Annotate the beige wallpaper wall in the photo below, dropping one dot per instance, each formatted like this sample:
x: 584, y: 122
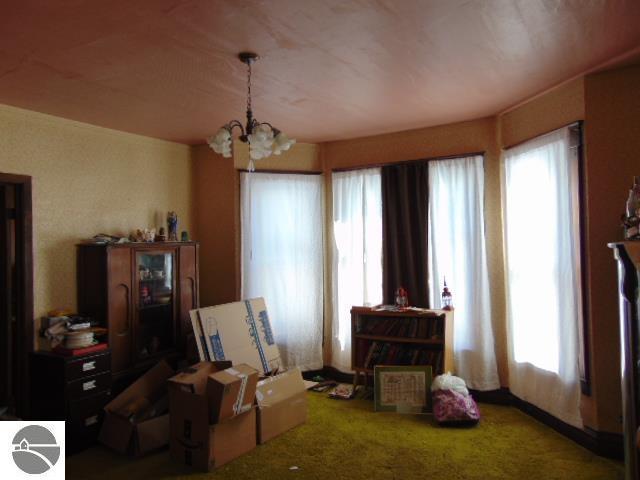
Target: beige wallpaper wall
x: 88, y: 180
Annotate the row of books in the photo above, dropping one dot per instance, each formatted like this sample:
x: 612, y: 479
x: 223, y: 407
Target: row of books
x: 383, y: 353
x: 430, y: 327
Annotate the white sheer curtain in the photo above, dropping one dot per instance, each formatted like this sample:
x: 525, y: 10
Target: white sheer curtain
x: 457, y: 251
x: 357, y: 253
x: 282, y: 259
x: 543, y: 272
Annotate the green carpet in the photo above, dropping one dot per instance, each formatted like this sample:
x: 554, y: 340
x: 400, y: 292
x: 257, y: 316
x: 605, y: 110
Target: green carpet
x: 346, y: 439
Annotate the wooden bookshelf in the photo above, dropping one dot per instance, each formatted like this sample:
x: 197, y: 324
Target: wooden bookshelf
x: 410, y: 337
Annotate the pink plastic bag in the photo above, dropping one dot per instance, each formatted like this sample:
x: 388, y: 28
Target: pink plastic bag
x: 452, y: 407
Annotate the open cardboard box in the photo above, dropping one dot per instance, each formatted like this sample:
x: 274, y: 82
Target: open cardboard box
x: 194, y: 441
x: 121, y: 431
x: 282, y: 404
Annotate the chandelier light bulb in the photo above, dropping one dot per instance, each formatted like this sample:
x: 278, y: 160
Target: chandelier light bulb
x: 282, y: 143
x: 263, y: 139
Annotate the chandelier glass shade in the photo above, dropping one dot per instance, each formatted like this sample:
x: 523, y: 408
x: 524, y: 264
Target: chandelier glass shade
x: 263, y: 138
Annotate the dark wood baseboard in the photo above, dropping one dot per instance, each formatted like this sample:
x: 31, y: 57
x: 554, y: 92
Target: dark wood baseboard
x: 605, y: 444
x: 502, y: 396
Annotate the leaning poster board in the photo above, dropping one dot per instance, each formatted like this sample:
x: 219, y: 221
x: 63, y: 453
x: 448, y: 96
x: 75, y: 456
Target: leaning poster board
x: 403, y: 389
x: 240, y: 332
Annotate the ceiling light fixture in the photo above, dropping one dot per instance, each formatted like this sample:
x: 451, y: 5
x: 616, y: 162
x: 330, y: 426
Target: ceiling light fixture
x: 262, y: 137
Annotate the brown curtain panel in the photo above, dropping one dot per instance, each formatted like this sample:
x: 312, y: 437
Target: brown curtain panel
x: 405, y: 197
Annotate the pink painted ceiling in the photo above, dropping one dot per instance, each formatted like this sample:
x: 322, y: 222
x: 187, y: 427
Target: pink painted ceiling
x: 330, y: 69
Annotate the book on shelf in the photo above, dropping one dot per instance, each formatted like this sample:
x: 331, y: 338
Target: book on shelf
x: 372, y: 349
x: 384, y: 351
x: 362, y: 351
x: 423, y: 328
x: 391, y: 353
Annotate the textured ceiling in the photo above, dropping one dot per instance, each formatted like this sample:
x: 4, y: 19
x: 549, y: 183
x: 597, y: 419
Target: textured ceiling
x: 330, y: 69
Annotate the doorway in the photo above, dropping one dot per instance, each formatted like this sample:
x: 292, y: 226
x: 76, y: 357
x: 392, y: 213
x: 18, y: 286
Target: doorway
x: 16, y: 293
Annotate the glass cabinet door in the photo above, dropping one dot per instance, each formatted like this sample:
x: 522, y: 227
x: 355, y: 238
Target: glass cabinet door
x: 155, y: 331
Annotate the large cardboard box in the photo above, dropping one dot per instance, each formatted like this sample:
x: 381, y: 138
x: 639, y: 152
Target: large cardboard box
x: 231, y: 391
x: 241, y: 332
x: 193, y: 441
x: 131, y: 425
x: 209, y: 446
x: 282, y: 404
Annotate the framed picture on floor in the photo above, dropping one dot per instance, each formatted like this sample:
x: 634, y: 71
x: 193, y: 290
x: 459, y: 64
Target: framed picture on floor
x: 402, y: 389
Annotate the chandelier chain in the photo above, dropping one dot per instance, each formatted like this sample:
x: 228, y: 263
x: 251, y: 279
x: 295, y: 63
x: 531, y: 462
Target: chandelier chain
x: 249, y: 86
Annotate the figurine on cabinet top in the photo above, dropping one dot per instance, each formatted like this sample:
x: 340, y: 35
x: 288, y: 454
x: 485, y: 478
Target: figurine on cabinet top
x: 161, y: 236
x: 172, y: 224
x: 145, y: 235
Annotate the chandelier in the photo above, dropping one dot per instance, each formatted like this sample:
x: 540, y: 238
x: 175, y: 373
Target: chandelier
x: 262, y: 137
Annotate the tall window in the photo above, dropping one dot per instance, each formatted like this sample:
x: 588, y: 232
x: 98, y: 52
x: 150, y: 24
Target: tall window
x: 457, y: 252
x: 357, y: 253
x: 282, y: 259
x: 541, y: 214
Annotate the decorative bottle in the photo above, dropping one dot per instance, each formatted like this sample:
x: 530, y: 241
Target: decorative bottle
x: 402, y: 298
x: 447, y: 298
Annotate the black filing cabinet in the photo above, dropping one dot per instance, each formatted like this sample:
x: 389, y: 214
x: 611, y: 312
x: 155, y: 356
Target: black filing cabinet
x: 74, y: 389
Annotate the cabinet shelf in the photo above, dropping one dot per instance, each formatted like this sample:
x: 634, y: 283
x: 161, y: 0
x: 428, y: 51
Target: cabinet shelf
x: 386, y: 338
x: 155, y: 305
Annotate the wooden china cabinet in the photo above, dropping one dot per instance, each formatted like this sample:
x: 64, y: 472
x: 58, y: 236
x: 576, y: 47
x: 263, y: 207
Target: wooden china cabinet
x: 142, y: 292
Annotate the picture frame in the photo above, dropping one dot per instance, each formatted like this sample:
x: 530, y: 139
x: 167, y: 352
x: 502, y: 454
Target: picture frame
x: 403, y: 389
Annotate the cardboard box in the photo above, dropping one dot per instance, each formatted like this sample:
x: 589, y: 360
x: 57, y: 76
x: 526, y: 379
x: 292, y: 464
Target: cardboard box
x: 188, y: 391
x: 282, y: 404
x: 131, y: 425
x: 241, y: 332
x: 207, y: 447
x: 193, y: 441
x: 231, y: 391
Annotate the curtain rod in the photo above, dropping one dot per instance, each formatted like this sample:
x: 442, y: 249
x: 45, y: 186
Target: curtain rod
x: 577, y: 123
x: 403, y: 162
x: 297, y: 172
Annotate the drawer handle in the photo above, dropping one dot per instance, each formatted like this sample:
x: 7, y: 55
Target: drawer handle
x: 88, y: 385
x: 91, y: 421
x: 89, y: 366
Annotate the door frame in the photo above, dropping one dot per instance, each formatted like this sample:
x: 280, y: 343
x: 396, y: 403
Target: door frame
x: 24, y: 281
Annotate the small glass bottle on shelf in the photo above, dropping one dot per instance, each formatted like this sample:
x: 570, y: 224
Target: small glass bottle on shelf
x: 447, y: 298
x: 402, y: 298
